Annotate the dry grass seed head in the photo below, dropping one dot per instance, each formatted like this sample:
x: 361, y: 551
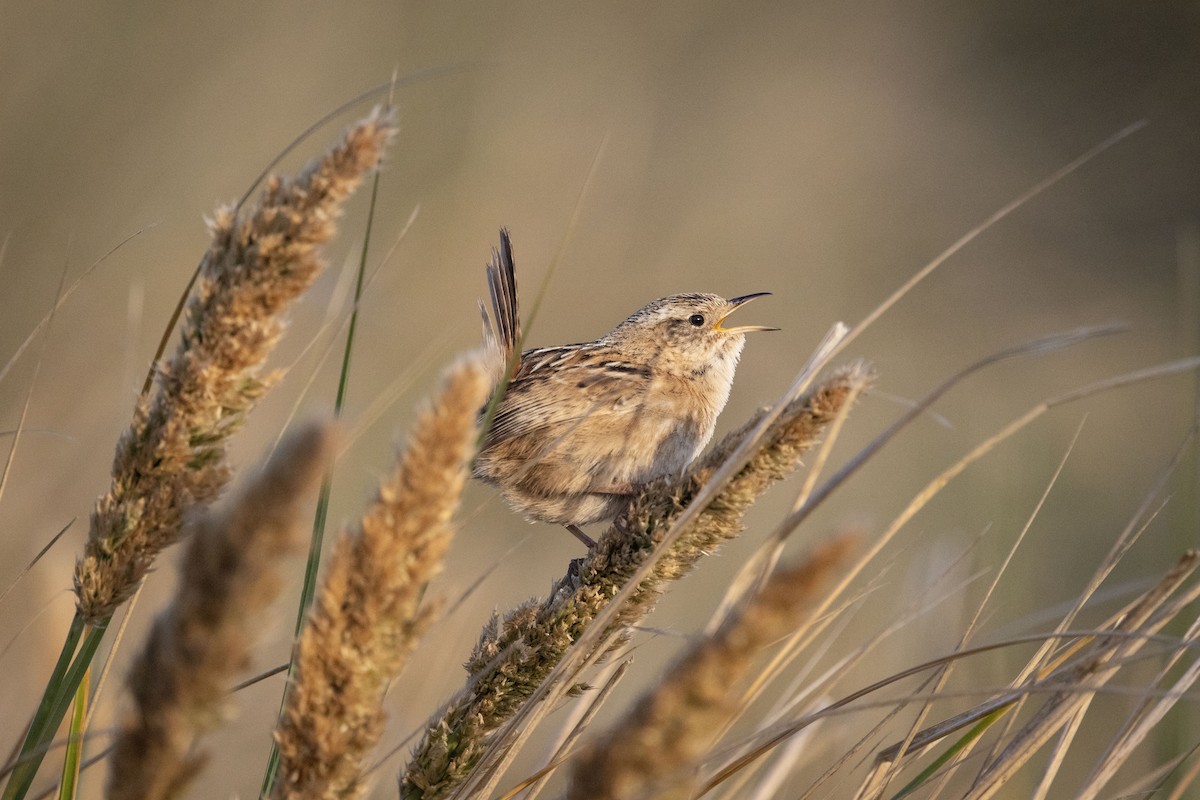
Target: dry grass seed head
x: 368, y: 615
x: 173, y: 453
x: 198, y: 645
x: 658, y: 746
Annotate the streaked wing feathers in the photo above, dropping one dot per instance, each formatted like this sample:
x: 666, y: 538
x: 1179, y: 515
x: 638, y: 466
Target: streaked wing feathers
x: 562, y: 385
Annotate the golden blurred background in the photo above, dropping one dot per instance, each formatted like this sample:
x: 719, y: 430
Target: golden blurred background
x: 821, y: 151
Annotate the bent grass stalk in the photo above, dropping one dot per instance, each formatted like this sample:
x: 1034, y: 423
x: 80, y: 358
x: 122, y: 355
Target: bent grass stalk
x: 889, y: 761
x: 1120, y: 547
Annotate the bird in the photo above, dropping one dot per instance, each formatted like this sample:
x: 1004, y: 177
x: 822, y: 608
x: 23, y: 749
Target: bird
x: 573, y: 431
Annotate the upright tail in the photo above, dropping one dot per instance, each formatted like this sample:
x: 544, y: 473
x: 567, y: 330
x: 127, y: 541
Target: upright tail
x: 502, y: 330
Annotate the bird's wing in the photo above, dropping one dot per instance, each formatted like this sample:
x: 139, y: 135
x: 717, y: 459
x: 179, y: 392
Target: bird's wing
x: 559, y: 387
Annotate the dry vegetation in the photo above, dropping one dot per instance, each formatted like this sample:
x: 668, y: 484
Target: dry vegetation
x: 733, y: 718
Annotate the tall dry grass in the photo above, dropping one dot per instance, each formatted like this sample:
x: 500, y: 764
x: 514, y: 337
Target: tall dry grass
x: 735, y: 717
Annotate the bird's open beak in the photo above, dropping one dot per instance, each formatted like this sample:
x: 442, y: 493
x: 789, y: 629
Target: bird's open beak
x: 736, y: 303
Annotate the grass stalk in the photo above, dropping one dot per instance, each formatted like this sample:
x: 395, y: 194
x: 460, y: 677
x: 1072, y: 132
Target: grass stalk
x: 68, y: 786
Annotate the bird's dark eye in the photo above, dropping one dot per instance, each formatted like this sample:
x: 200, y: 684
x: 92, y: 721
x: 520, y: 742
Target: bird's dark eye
x: 696, y: 319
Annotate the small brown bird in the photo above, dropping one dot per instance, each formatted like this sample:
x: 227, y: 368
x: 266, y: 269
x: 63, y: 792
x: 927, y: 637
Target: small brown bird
x: 581, y: 426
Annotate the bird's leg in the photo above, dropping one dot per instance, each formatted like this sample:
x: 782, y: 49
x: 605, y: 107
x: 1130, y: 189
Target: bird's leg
x: 588, y: 541
x: 615, y: 489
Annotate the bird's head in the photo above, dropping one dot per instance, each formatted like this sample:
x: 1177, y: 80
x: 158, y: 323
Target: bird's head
x: 685, y: 332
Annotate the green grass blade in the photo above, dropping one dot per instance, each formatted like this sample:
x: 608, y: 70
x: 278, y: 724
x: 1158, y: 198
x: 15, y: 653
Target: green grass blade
x: 60, y: 691
x: 967, y: 738
x: 36, y: 738
x: 69, y: 785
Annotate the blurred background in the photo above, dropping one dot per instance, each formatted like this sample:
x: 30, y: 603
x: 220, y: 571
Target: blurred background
x: 821, y: 151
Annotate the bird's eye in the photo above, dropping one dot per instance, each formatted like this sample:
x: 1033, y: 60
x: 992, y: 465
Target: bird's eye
x: 696, y: 319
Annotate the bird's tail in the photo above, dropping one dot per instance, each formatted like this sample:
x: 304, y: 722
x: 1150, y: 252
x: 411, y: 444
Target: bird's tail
x: 502, y: 329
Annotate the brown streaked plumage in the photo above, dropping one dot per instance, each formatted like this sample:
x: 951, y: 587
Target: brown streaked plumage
x: 581, y: 426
